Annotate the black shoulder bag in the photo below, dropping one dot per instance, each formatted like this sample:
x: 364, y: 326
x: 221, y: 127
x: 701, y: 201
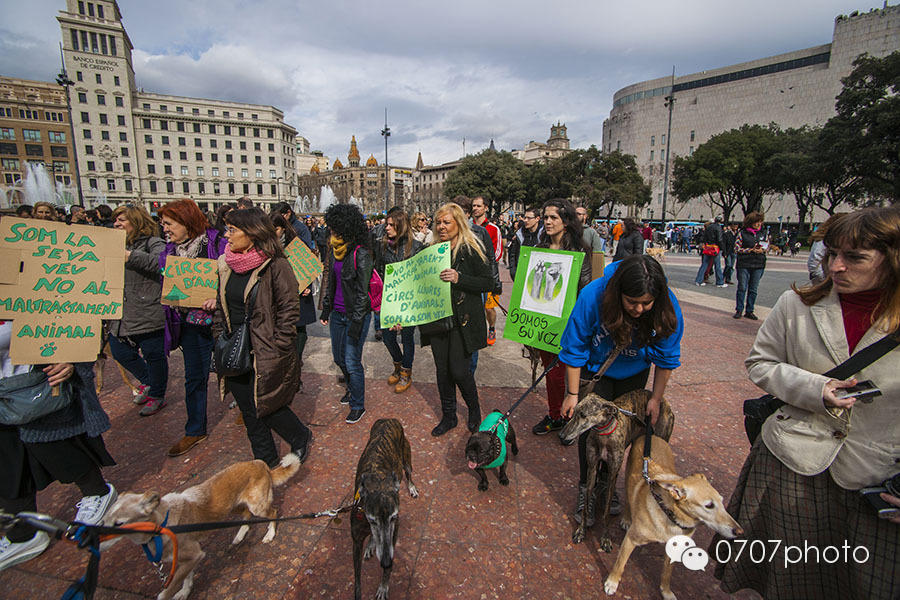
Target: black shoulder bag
x: 757, y: 410
x: 231, y: 353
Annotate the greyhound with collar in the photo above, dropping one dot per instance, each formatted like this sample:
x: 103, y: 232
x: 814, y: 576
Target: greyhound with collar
x: 613, y: 426
x: 376, y: 505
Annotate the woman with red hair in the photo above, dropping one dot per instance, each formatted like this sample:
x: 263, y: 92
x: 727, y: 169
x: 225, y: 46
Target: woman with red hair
x: 188, y: 235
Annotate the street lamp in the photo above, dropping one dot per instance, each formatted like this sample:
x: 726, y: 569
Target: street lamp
x: 63, y: 80
x: 386, y: 132
x: 278, y: 187
x: 670, y: 103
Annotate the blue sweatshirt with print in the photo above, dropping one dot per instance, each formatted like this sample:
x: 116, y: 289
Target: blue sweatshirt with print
x: 586, y: 342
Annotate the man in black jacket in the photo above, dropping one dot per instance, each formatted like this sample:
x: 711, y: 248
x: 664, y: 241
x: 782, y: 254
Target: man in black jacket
x: 712, y: 236
x: 528, y: 235
x: 728, y: 237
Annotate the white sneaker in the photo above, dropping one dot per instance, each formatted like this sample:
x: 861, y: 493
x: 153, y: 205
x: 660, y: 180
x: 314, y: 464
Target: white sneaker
x: 92, y: 509
x: 724, y: 285
x: 14, y: 553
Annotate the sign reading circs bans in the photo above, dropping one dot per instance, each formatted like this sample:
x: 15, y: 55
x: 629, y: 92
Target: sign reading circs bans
x: 57, y: 282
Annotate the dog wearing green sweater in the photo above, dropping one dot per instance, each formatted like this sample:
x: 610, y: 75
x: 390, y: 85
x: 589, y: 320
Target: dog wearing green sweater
x: 487, y: 448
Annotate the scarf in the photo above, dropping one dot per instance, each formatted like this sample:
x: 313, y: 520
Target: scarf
x: 190, y: 248
x: 857, y: 310
x: 339, y: 247
x: 245, y: 261
x: 753, y: 231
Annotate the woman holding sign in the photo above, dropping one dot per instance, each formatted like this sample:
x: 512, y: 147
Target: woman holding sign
x: 398, y: 244
x: 347, y: 309
x: 189, y: 236
x: 562, y: 231
x: 630, y: 307
x: 137, y: 341
x: 256, y: 279
x: 466, y: 331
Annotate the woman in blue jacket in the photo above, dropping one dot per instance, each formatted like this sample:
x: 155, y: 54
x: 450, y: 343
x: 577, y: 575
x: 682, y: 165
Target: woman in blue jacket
x: 630, y: 306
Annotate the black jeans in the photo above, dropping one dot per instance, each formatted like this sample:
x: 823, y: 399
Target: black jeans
x: 259, y: 429
x: 609, y: 389
x: 452, y: 366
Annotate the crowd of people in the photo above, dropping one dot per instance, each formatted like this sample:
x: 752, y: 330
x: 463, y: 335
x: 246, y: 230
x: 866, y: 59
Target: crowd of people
x: 798, y: 467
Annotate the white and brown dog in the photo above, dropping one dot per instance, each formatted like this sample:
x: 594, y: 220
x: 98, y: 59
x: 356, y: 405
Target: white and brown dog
x: 244, y: 488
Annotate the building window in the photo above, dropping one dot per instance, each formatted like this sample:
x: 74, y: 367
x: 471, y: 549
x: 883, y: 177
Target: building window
x: 164, y: 140
x: 151, y: 169
x: 164, y: 125
x: 652, y: 140
x: 229, y: 172
x: 109, y: 167
x: 152, y: 185
x: 214, y: 157
x: 120, y: 120
x: 195, y: 111
x: 663, y: 139
x: 243, y: 158
x: 31, y: 135
x: 186, y: 187
x: 104, y: 135
x: 692, y: 135
x: 211, y: 113
x: 149, y: 153
x: 86, y: 134
x: 198, y: 143
x: 271, y: 160
x: 100, y: 10
x: 662, y: 155
x: 92, y: 183
x: 88, y: 149
x: 182, y: 155
x: 241, y: 130
x: 212, y: 129
x: 229, y: 158
x: 198, y: 156
x: 7, y: 148
x: 179, y: 125
x: 259, y: 173
x: 215, y: 171
x: 245, y: 173
x: 691, y: 151
x: 651, y: 170
x: 103, y: 119
x: 99, y: 78
x: 274, y: 191
x: 59, y: 151
x: 199, y: 171
x: 167, y: 155
x: 148, y: 139
x: 111, y: 185
x: 101, y: 99
x: 213, y: 144
x: 272, y: 173
x: 123, y: 137
x: 145, y: 123
x: 216, y: 189
x: 56, y: 137
x: 127, y: 185
x: 651, y: 155
x: 78, y: 74
x: 256, y: 146
x: 126, y: 167
x: 115, y: 78
x: 201, y: 187
x: 259, y: 189
x: 231, y: 188
x: 257, y: 160
x: 119, y: 101
x: 242, y: 145
x: 196, y: 127
x: 82, y: 98
x: 80, y: 7
x: 184, y: 170
x: 618, y: 145
x: 227, y: 131
x: 11, y: 164
x: 85, y: 118
x: 7, y: 133
x: 170, y: 187
x: 90, y: 165
x: 246, y: 186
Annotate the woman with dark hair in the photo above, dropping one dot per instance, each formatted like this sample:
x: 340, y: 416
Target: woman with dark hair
x: 254, y: 275
x: 137, y: 340
x: 347, y: 309
x: 800, y: 483
x: 750, y: 248
x: 223, y: 210
x: 398, y: 244
x: 189, y: 236
x: 562, y: 231
x: 631, y: 307
x: 631, y: 242
x: 286, y: 235
x: 470, y: 277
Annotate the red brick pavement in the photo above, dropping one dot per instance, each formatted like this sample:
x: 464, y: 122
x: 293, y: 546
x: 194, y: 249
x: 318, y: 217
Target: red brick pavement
x: 455, y: 542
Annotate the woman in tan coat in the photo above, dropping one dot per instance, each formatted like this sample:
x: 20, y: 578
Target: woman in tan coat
x: 254, y: 257
x: 799, y: 485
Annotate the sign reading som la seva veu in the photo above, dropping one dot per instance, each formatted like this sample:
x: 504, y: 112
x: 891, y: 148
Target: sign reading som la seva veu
x: 57, y: 282
x: 413, y: 291
x: 543, y: 297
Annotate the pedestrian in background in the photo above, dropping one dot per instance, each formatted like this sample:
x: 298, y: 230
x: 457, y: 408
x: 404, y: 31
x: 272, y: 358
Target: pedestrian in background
x: 711, y: 244
x: 631, y: 241
x: 422, y: 233
x: 750, y: 247
x: 729, y: 236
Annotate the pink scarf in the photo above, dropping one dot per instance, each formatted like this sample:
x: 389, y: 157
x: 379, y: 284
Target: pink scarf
x: 244, y: 262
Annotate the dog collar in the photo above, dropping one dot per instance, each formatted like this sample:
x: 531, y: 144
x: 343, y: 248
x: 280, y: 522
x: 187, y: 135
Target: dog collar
x: 156, y: 555
x: 606, y: 428
x: 666, y: 510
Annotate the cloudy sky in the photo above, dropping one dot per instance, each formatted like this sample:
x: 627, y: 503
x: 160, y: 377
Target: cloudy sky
x: 445, y: 71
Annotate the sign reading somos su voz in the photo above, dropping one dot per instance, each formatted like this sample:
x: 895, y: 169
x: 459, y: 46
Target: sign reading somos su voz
x: 57, y: 282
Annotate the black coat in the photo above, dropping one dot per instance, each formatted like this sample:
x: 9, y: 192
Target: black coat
x: 355, y: 275
x: 386, y: 254
x: 468, y: 308
x: 633, y: 243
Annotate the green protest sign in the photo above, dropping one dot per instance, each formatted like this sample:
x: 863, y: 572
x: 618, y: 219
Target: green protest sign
x: 413, y: 291
x: 543, y: 296
x: 304, y: 263
x: 189, y: 281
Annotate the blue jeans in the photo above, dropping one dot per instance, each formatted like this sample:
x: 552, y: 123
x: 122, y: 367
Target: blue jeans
x: 407, y: 337
x: 144, y: 356
x: 704, y: 264
x: 729, y: 265
x: 748, y: 282
x: 347, y: 355
x: 196, y: 346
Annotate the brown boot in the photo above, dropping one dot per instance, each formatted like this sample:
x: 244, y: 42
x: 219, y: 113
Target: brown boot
x: 185, y: 444
x: 404, y: 382
x: 395, y: 376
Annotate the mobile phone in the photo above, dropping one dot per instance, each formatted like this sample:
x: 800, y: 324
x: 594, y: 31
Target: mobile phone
x: 864, y: 391
x: 882, y: 508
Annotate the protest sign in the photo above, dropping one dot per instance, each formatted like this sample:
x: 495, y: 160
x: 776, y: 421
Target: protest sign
x: 413, y: 291
x: 57, y: 282
x: 543, y: 296
x: 304, y: 263
x: 189, y: 282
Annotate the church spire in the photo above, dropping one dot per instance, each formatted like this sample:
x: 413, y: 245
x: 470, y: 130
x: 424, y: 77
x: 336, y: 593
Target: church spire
x: 353, y: 155
x: 419, y: 163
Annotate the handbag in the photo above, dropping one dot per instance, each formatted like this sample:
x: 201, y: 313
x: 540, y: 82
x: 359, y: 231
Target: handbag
x: 439, y: 327
x: 232, y: 351
x: 28, y: 396
x: 757, y: 410
x: 710, y: 249
x: 198, y: 316
x: 376, y: 286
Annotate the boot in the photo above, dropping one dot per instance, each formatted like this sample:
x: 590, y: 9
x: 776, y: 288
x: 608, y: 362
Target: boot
x: 395, y: 376
x: 448, y: 416
x: 474, y: 415
x: 579, y: 504
x: 404, y: 382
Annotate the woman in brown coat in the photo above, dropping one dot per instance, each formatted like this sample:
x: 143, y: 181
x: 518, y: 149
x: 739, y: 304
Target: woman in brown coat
x: 254, y: 258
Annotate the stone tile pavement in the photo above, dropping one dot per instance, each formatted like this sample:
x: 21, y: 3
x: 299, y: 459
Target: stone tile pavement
x: 455, y: 542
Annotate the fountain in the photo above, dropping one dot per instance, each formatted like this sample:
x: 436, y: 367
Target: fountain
x: 326, y: 198
x: 37, y: 186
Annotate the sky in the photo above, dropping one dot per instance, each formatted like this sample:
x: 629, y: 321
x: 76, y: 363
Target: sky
x: 445, y: 71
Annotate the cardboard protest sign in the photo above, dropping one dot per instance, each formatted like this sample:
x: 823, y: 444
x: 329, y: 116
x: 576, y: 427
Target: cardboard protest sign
x: 189, y: 282
x: 304, y: 263
x: 543, y: 296
x: 56, y: 284
x: 413, y: 291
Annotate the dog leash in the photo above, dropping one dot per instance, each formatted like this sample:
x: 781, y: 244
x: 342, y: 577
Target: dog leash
x: 645, y: 472
x: 515, y: 405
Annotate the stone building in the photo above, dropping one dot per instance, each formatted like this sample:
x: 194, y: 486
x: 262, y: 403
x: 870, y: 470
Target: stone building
x: 427, y: 192
x: 155, y: 147
x: 360, y: 184
x: 793, y: 89
x: 34, y: 128
x: 557, y: 145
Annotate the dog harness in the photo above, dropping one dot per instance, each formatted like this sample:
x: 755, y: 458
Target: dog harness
x: 498, y: 427
x: 606, y: 428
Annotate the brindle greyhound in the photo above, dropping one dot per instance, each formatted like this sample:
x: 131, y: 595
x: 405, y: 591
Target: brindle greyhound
x: 376, y: 505
x: 612, y: 429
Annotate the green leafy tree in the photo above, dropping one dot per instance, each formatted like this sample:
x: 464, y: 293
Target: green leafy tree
x: 837, y: 184
x: 868, y: 111
x: 793, y: 168
x: 498, y: 177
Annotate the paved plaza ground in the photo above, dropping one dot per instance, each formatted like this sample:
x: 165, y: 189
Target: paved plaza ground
x: 455, y: 542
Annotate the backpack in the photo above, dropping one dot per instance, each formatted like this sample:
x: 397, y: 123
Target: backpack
x: 376, y: 286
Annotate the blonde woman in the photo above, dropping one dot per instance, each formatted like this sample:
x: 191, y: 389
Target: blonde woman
x: 422, y: 233
x: 137, y: 340
x: 469, y: 277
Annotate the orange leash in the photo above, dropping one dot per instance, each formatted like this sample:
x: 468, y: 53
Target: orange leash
x: 148, y: 527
